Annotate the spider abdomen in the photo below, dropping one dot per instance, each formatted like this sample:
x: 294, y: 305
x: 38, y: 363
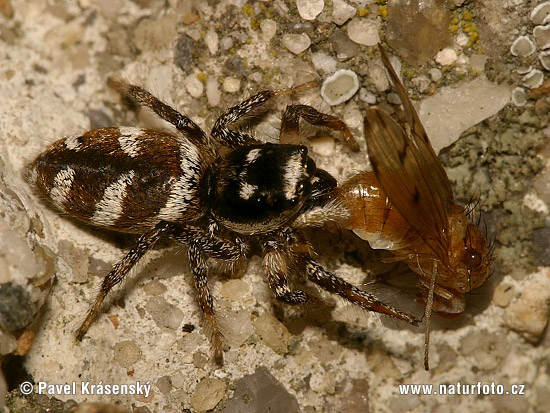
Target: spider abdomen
x: 126, y: 179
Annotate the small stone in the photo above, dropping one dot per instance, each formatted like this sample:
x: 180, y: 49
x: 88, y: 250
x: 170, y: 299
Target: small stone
x: 435, y: 74
x: 193, y: 85
x: 533, y: 79
x: 310, y: 9
x: 238, y: 328
x: 366, y: 96
x: 342, y: 12
x: 213, y: 93
x: 296, y: 43
x: 540, y: 13
x: 16, y: 307
x: 364, y: 31
x: 529, y: 313
x: 446, y: 57
x: 523, y: 46
x: 488, y: 349
x: 155, y: 34
x: 340, y: 87
x: 127, y: 353
x: 379, y: 77
x: 208, y: 394
x: 212, y: 41
x: 261, y: 392
x: 519, y: 97
x: 8, y: 343
x: 462, y: 39
x: 478, y: 61
x: 323, y: 146
x: 421, y: 83
x: 164, y: 385
x: 268, y: 28
x: 343, y: 47
x: 503, y: 294
x: 227, y: 42
x: 417, y: 30
x: 164, y: 314
x: 542, y: 36
x: 324, y: 62
x: 231, y: 84
x: 394, y: 99
x: 235, y: 290
x: 154, y: 287
x: 544, y: 58
x: 272, y: 333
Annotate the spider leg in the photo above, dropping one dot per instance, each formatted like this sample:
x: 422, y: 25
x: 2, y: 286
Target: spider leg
x: 275, y: 266
x: 290, y: 125
x: 206, y: 301
x: 181, y: 122
x: 121, y: 269
x: 336, y: 285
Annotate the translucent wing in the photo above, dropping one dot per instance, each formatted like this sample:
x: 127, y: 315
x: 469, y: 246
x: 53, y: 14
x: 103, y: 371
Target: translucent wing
x: 408, y: 170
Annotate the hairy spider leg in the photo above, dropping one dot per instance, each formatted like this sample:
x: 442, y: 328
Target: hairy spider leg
x: 290, y: 124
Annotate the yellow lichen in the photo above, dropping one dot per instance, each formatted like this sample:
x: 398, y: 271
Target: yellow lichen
x: 248, y: 10
x: 203, y: 77
x: 362, y: 12
x: 383, y: 11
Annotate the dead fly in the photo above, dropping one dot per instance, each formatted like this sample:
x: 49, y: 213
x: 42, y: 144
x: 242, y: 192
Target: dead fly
x: 406, y: 206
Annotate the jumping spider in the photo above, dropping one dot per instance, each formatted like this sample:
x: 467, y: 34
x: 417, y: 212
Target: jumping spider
x: 217, y: 194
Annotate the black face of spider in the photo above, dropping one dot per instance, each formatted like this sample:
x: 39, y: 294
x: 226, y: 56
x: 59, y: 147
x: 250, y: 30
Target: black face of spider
x: 259, y: 187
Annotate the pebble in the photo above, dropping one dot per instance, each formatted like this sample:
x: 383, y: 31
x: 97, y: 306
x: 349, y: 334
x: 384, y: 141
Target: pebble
x: 227, y: 42
x: 364, y: 31
x: 261, y: 392
x: 323, y: 62
x: 193, y: 85
x: 540, y: 13
x: 342, y: 12
x: 310, y: 9
x: 235, y: 290
x: 212, y: 41
x: 154, y: 287
x: 213, y: 93
x: 155, y: 34
x: 340, y: 87
x: 519, y: 97
x: 366, y: 96
x: 533, y: 79
x: 529, y: 313
x: 393, y: 98
x: 478, y: 61
x: 16, y: 307
x: 296, y: 43
x: 503, y: 294
x: 272, y: 333
x: 542, y: 36
x: 343, y: 47
x: 238, y: 328
x: 421, y: 83
x: 164, y: 385
x: 127, y: 353
x: 435, y: 74
x: 446, y: 57
x: 522, y: 46
x: 488, y: 349
x: 268, y: 28
x: 164, y: 314
x: 323, y: 146
x: 379, y: 78
x: 208, y: 394
x: 231, y: 84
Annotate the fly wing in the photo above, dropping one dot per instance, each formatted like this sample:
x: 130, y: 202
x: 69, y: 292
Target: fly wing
x: 408, y: 170
x: 418, y: 137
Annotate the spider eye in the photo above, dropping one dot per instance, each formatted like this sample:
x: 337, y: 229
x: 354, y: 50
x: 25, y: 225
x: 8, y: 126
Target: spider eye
x: 472, y: 258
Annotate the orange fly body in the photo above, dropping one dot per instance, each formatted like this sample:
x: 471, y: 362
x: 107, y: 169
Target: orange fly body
x: 406, y: 205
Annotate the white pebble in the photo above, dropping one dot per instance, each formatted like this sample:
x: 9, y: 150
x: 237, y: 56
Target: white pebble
x: 542, y: 36
x: 540, y: 13
x: 421, y: 82
x: 435, y: 74
x: 193, y: 85
x: 522, y: 46
x: 366, y: 96
x: 268, y: 28
x: 342, y: 12
x: 212, y: 41
x: 446, y: 57
x: 231, y: 84
x: 296, y: 43
x: 533, y: 79
x: 393, y: 98
x: 519, y: 97
x: 462, y: 39
x: 379, y: 78
x: 340, y: 87
x: 213, y: 93
x: 364, y: 31
x: 310, y: 9
x: 323, y: 146
x: 227, y: 42
x: 324, y: 62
